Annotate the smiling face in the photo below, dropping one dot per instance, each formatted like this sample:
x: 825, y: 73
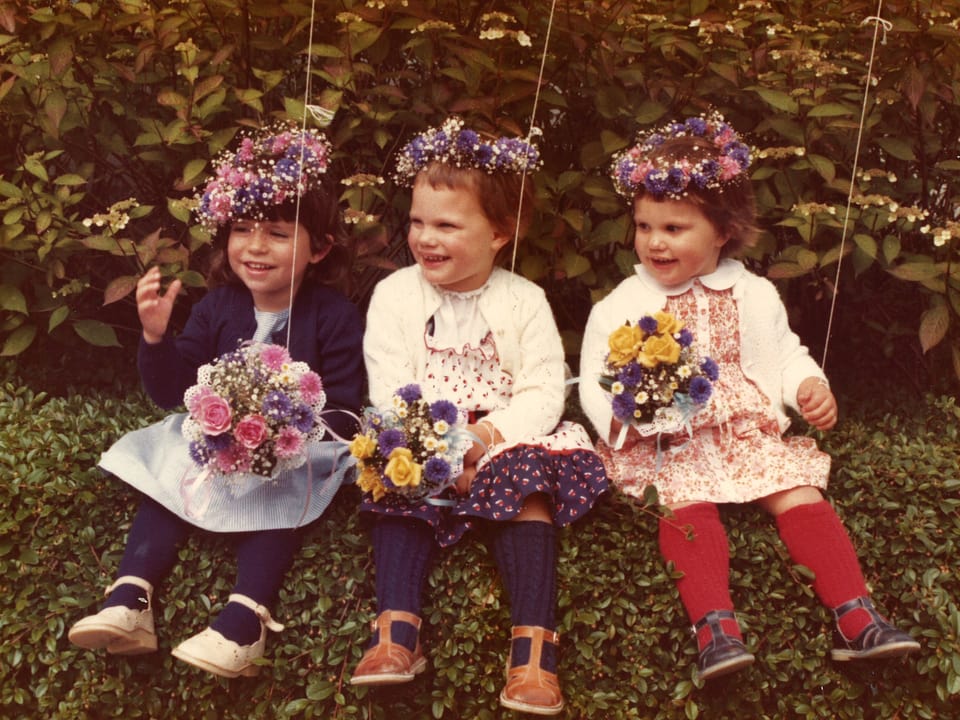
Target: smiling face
x: 674, y: 240
x: 262, y: 256
x: 451, y: 237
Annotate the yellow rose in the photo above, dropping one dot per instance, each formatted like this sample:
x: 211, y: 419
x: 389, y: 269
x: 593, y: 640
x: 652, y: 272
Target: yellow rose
x: 369, y: 481
x: 401, y: 468
x: 624, y: 344
x: 667, y: 323
x: 362, y: 446
x: 659, y: 349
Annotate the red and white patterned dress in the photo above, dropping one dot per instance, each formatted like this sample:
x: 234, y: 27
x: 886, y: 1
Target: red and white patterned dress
x: 736, y: 453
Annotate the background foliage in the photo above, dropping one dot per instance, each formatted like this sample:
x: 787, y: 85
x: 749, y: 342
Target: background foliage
x: 627, y: 652
x: 112, y: 111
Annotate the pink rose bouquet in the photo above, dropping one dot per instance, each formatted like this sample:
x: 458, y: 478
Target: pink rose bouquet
x: 253, y: 410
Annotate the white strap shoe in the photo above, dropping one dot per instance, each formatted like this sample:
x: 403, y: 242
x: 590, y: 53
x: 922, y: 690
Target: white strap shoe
x: 211, y: 651
x: 121, y: 630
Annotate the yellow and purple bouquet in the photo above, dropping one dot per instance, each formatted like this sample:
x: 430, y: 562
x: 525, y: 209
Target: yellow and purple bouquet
x: 253, y: 410
x: 411, y: 451
x: 655, y: 377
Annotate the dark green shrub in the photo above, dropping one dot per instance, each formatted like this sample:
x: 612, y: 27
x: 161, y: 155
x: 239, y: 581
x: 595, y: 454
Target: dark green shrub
x: 626, y: 649
x: 107, y: 102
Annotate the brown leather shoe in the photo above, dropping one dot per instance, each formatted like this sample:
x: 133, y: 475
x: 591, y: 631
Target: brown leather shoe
x: 530, y: 688
x: 387, y: 663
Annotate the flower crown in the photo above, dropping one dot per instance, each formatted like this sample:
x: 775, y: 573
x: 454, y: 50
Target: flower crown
x: 270, y: 167
x: 453, y: 145
x: 634, y: 169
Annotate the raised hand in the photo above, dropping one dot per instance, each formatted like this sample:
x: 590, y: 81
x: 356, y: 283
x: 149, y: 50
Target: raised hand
x: 153, y: 307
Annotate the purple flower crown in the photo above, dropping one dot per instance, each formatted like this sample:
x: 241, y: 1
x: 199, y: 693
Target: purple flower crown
x: 633, y: 168
x: 451, y: 144
x: 270, y: 167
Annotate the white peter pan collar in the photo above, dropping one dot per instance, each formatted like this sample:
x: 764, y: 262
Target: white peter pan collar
x: 723, y: 278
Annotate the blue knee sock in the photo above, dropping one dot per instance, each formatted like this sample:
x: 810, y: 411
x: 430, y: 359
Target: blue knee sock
x: 403, y: 551
x: 152, y: 543
x: 526, y: 554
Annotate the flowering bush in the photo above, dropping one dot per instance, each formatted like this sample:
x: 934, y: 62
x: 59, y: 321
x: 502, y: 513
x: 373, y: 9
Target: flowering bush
x: 253, y: 410
x: 654, y: 376
x: 411, y: 451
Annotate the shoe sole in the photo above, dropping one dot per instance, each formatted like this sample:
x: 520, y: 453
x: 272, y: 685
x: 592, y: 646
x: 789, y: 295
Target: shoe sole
x: 890, y: 650
x: 115, y: 640
x: 727, y: 667
x: 246, y: 671
x: 391, y: 678
x: 527, y: 708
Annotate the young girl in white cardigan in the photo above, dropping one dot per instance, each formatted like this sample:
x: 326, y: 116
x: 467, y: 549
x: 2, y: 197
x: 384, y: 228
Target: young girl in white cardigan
x: 484, y: 339
x: 693, y: 210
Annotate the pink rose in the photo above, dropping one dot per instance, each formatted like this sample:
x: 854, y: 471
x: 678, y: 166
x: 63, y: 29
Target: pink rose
x: 251, y: 431
x: 193, y: 397
x: 213, y: 414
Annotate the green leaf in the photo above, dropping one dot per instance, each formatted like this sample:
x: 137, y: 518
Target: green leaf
x: 776, y: 99
x: 19, y: 340
x: 900, y: 149
x: 96, y: 333
x: 12, y: 299
x: 57, y: 317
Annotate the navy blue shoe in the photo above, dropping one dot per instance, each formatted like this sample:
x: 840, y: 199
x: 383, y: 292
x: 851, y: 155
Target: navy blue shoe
x: 724, y: 654
x: 877, y: 640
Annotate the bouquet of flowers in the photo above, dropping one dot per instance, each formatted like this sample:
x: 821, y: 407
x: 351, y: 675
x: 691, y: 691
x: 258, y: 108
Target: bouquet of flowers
x: 253, y: 410
x: 652, y: 371
x: 411, y: 451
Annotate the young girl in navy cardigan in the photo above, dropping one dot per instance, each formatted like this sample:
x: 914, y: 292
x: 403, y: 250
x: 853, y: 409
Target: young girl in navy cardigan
x: 276, y: 222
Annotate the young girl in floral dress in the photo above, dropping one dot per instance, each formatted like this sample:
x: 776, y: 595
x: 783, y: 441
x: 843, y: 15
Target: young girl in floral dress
x: 275, y: 220
x: 693, y: 209
x: 471, y: 333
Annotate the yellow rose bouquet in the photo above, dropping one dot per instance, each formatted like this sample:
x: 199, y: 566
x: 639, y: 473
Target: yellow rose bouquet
x: 655, y: 378
x: 412, y: 451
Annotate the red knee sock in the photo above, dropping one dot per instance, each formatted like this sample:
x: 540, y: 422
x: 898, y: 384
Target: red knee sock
x: 817, y: 539
x: 696, y: 542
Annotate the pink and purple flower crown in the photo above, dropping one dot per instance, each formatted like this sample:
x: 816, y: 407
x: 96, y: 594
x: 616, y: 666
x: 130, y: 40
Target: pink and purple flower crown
x: 450, y: 143
x: 270, y: 167
x: 723, y: 161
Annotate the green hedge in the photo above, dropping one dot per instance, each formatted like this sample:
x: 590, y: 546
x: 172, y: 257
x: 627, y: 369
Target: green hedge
x: 112, y: 112
x: 626, y: 649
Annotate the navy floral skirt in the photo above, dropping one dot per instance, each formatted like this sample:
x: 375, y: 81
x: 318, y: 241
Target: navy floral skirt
x: 573, y: 480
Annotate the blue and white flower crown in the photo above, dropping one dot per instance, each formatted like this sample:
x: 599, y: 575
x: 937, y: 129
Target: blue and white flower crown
x: 726, y: 159
x: 270, y: 167
x: 451, y: 144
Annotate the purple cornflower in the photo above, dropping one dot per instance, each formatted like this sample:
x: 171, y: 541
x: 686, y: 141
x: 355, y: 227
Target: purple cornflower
x: 624, y: 406
x: 409, y: 393
x: 444, y: 410
x: 649, y: 324
x: 436, y: 470
x: 630, y: 374
x: 710, y: 369
x: 390, y: 440
x: 277, y: 405
x: 700, y: 389
x: 685, y: 338
x: 301, y: 417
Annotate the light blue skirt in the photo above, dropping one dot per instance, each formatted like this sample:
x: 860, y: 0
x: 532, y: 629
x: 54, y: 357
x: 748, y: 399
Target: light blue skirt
x: 156, y: 461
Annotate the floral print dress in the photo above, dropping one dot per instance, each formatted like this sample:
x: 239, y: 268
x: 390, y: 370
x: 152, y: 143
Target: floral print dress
x: 736, y: 453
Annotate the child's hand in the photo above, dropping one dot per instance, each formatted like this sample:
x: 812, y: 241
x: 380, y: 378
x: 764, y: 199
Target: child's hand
x: 487, y: 435
x: 817, y: 404
x: 155, y: 309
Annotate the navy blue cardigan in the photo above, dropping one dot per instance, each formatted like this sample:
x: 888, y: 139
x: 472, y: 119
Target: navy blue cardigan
x: 326, y: 333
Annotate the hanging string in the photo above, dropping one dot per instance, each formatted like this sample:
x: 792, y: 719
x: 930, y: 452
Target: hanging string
x: 530, y: 132
x: 300, y: 182
x: 885, y: 25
